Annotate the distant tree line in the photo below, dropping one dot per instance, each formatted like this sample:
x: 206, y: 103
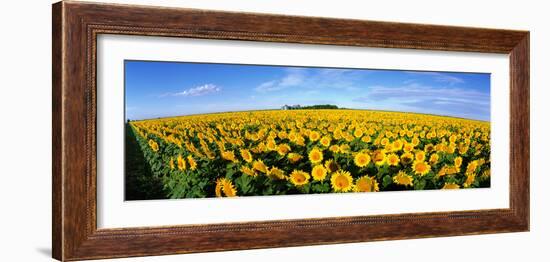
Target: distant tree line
x: 327, y: 106
x: 296, y: 107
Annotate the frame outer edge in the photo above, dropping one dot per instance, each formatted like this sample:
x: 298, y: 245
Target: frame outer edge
x: 72, y: 240
x: 520, y: 108
x: 57, y: 122
x: 527, y: 184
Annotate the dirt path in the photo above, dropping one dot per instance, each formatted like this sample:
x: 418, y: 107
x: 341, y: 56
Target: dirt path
x: 140, y: 184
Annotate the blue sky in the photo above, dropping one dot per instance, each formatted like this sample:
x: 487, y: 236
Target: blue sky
x: 159, y: 89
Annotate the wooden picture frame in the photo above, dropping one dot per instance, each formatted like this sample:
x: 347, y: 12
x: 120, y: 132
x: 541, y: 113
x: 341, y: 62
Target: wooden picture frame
x: 76, y: 26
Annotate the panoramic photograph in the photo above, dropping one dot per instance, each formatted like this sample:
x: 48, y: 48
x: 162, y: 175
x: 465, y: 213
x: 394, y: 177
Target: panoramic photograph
x: 201, y: 130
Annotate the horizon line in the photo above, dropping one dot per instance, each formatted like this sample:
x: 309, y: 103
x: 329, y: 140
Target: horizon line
x: 339, y: 108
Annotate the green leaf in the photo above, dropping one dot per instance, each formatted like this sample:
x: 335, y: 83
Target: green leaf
x: 326, y: 187
x: 229, y: 173
x: 318, y: 188
x: 244, y: 183
x: 386, y: 181
x: 268, y: 191
x: 420, y: 184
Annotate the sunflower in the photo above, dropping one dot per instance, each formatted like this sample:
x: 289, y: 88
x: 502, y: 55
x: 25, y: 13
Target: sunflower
x: 226, y: 187
x: 254, y: 137
x: 315, y: 156
x: 272, y: 134
x: 192, y: 163
x: 294, y: 157
x: 245, y: 154
x: 430, y: 135
x: 434, y: 158
x: 259, y: 165
x: 403, y: 179
x: 283, y: 149
x: 171, y: 163
x: 429, y: 148
x: 472, y: 166
x: 229, y: 156
x: 415, y: 141
x: 361, y: 159
x: 408, y: 147
x: 348, y: 137
x: 248, y: 171
x: 300, y: 140
x: 282, y: 134
x: 407, y: 158
x: 337, y: 134
x: 396, y: 145
x: 219, y: 187
x: 325, y: 141
x: 341, y: 181
x: 393, y: 159
x: 366, y: 139
x: 486, y: 174
x: 271, y: 145
x: 463, y: 149
x: 334, y: 148
x: 154, y: 146
x: 358, y: 133
x: 384, y: 141
x: 366, y: 184
x: 450, y: 186
x: 331, y: 166
x: 344, y: 149
x: 451, y: 170
x: 314, y: 135
x: 451, y: 148
x: 318, y: 173
x: 229, y: 189
x: 452, y: 138
x: 421, y: 168
x: 458, y: 162
x: 292, y: 136
x: 379, y: 157
x: 299, y: 178
x: 442, y: 172
x: 480, y: 162
x: 181, y: 163
x: 420, y: 156
x: 276, y: 173
x: 441, y: 148
x: 470, y: 178
x: 210, y: 154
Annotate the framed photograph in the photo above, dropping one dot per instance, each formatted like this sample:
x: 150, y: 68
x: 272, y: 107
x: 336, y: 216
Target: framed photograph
x: 182, y: 130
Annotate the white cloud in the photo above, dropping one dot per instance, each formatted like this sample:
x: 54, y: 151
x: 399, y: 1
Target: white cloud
x: 449, y: 79
x: 453, y: 101
x: 197, y: 91
x: 294, y: 77
x: 313, y: 78
x: 441, y: 77
x: 268, y: 86
x: 416, y: 90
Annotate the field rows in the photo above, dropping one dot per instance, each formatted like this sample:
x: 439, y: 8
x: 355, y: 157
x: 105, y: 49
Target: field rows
x: 313, y: 151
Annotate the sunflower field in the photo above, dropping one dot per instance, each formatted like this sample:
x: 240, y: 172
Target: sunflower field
x: 279, y: 152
